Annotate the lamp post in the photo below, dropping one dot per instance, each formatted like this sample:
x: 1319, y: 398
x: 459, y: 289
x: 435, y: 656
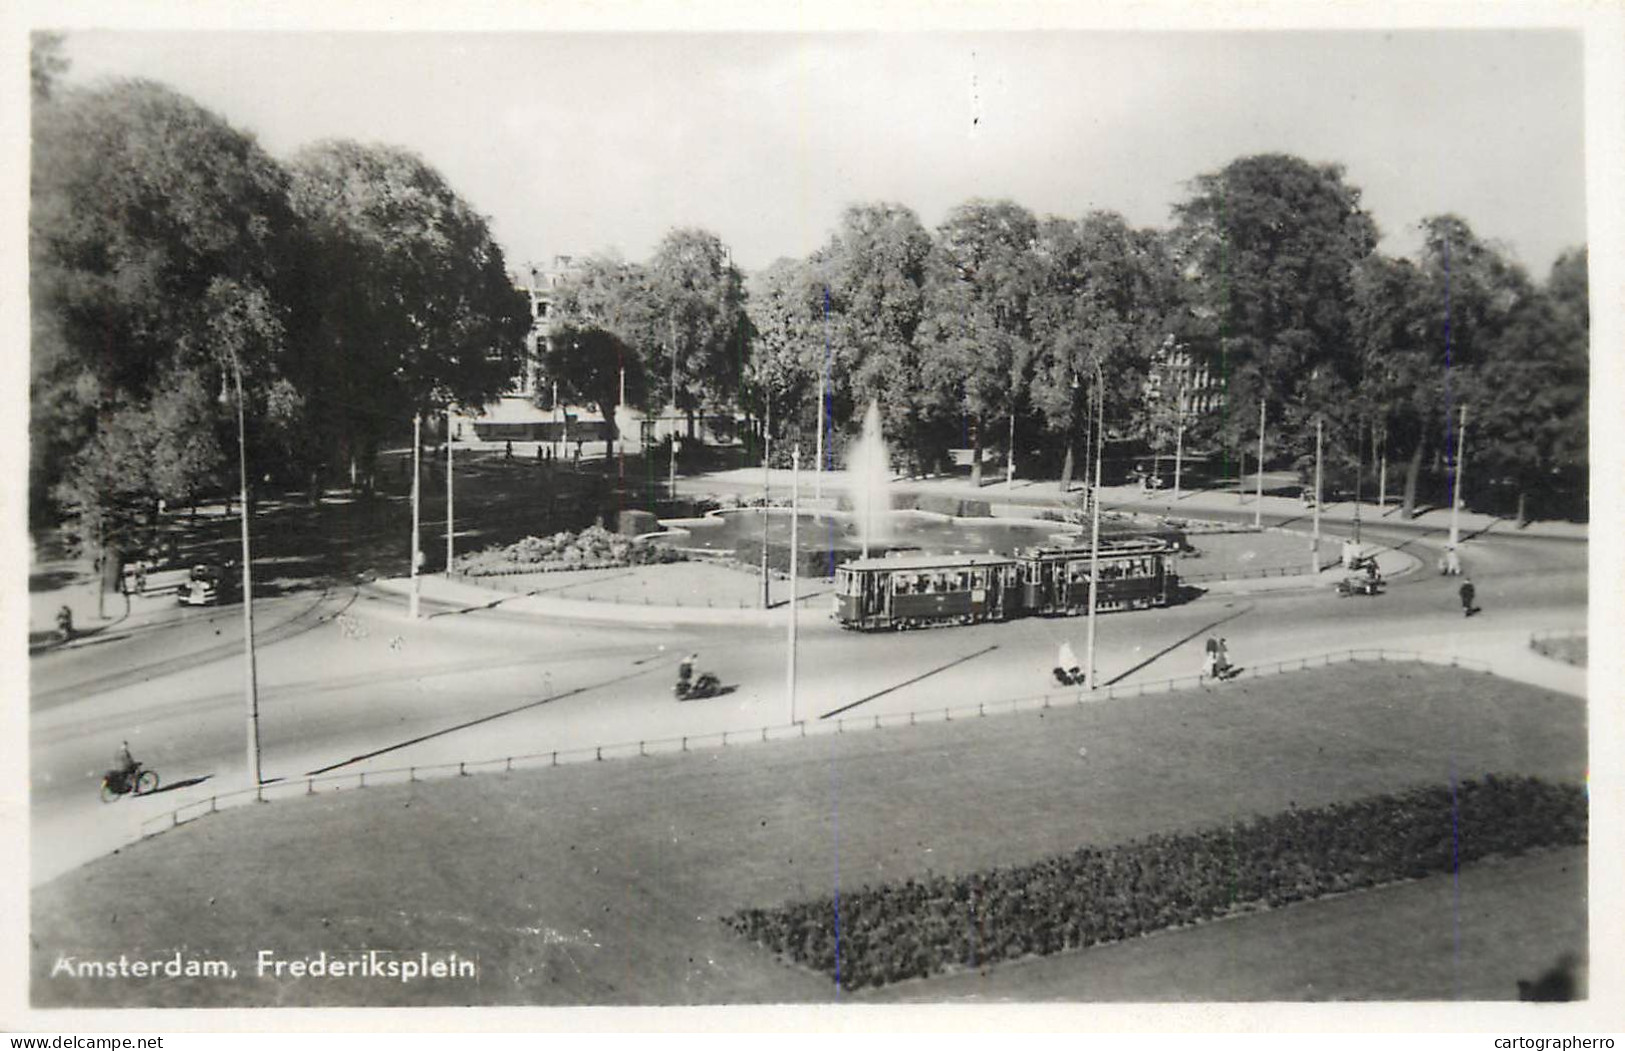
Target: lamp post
x: 1455, y: 494
x: 1382, y: 470
x: 1010, y: 454
x: 1359, y: 471
x: 767, y: 483
x: 417, y: 479
x: 795, y: 507
x: 1258, y: 498
x: 1094, y: 527
x: 451, y: 548
x: 1314, y: 555
x: 1179, y: 440
x: 250, y: 677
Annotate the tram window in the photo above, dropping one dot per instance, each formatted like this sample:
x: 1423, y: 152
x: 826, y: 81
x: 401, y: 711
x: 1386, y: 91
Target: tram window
x: 899, y: 585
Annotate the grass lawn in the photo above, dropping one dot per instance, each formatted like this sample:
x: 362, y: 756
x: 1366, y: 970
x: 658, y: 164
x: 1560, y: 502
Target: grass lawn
x: 605, y: 883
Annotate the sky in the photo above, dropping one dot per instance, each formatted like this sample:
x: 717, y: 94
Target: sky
x: 575, y: 143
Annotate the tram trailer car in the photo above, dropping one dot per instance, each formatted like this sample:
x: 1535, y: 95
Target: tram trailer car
x: 915, y: 591
x: 1135, y: 573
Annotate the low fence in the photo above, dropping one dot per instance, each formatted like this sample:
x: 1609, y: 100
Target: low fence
x: 1248, y: 574
x: 811, y: 726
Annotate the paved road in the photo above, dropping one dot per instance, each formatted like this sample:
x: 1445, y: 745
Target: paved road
x: 348, y: 683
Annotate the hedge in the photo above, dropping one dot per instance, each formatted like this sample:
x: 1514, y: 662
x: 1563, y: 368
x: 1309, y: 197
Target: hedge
x: 916, y: 928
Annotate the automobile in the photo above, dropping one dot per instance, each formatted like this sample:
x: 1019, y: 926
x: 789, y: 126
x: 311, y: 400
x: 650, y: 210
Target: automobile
x: 205, y: 586
x: 146, y: 577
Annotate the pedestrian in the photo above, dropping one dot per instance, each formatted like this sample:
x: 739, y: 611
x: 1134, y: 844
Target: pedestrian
x: 1452, y: 561
x: 1210, y: 660
x: 507, y: 450
x: 1467, y: 591
x: 1222, y: 665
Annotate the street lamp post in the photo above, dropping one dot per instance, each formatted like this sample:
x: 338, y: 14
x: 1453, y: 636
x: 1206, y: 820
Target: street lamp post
x: 250, y: 676
x: 795, y: 507
x: 1179, y: 442
x: 1455, y: 494
x: 767, y: 483
x: 1010, y: 455
x: 451, y: 548
x: 1382, y: 471
x: 417, y: 477
x: 671, y: 466
x: 1314, y: 554
x: 1258, y: 497
x: 1359, y: 471
x: 1094, y: 527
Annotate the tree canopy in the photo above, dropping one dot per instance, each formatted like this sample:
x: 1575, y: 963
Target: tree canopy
x: 161, y: 249
x: 409, y: 304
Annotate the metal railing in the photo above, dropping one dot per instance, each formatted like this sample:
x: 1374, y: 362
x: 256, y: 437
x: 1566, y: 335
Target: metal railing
x: 852, y: 723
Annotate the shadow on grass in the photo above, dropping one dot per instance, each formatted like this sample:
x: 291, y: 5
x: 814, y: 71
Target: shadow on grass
x: 52, y: 579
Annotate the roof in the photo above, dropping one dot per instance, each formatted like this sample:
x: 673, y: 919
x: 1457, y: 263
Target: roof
x: 1128, y: 546
x: 919, y: 562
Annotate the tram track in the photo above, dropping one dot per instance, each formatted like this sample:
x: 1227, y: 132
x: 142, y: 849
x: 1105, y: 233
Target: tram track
x: 302, y: 620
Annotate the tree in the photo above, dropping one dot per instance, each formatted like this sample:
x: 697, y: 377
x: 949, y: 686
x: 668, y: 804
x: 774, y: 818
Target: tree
x: 693, y: 285
x: 410, y: 303
x: 158, y: 234
x: 1269, y: 245
x: 874, y: 268
x: 785, y: 307
x: 590, y: 365
x: 1531, y: 416
x: 1106, y: 295
x: 976, y: 349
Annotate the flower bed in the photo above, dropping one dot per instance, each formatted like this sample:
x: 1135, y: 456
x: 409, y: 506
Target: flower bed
x: 917, y: 928
x: 592, y: 548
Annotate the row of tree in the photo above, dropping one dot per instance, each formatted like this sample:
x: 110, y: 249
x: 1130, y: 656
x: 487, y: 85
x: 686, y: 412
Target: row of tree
x: 1269, y: 278
x: 170, y: 255
x: 352, y: 288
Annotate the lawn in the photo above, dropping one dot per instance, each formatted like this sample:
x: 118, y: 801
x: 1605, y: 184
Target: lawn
x: 605, y: 884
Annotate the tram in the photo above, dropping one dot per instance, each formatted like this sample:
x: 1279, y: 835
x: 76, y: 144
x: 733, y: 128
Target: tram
x: 915, y: 591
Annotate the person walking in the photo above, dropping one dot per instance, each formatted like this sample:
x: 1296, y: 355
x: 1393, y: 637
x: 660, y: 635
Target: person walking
x: 1222, y: 661
x: 1210, y: 660
x: 1467, y: 592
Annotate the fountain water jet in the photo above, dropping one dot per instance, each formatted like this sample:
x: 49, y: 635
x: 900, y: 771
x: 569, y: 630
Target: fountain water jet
x: 868, y: 473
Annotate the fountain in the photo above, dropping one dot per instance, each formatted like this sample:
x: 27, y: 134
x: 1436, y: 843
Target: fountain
x: 868, y: 473
x: 866, y: 523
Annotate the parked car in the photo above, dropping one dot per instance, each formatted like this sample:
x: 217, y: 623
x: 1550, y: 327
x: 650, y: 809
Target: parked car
x: 206, y: 586
x: 146, y: 577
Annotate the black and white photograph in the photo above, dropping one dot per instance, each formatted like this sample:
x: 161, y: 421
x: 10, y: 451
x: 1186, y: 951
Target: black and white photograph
x: 873, y: 512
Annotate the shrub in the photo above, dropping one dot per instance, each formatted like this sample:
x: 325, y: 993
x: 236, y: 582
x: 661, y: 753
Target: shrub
x: 919, y: 927
x: 592, y: 547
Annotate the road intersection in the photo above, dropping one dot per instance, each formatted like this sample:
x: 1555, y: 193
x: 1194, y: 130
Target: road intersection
x: 348, y: 683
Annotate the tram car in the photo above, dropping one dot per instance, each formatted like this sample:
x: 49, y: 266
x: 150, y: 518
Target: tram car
x: 915, y: 591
